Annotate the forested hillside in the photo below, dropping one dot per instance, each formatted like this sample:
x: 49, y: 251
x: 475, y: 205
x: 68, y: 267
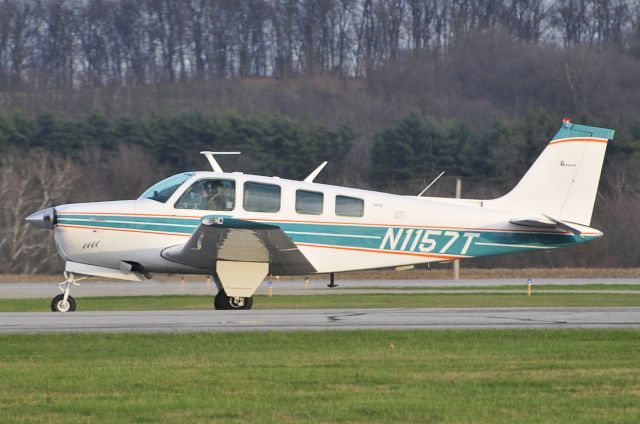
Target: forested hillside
x: 100, y: 98
x: 88, y: 43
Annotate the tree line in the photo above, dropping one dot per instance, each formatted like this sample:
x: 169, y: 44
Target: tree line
x: 272, y: 145
x: 49, y: 159
x: 410, y: 149
x: 65, y: 44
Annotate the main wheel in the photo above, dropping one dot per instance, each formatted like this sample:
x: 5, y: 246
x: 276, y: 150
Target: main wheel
x: 224, y: 302
x: 59, y: 305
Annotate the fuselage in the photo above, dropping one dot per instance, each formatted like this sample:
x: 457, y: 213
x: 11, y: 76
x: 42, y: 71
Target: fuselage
x: 336, y: 228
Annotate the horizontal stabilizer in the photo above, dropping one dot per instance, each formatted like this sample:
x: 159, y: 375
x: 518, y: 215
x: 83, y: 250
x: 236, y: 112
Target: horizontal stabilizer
x: 566, y: 226
x: 550, y: 223
x: 531, y: 222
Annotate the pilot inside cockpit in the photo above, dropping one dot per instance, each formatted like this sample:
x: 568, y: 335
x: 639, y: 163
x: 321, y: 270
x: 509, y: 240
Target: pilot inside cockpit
x: 225, y: 198
x: 212, y: 195
x: 210, y: 190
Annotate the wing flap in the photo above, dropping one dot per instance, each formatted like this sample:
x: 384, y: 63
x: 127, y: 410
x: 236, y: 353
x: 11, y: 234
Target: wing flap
x: 229, y: 239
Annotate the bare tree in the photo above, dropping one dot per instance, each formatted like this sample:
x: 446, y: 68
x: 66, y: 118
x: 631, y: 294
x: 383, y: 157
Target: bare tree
x: 28, y: 183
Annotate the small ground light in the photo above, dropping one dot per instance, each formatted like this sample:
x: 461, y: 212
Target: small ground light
x: 529, y: 286
x: 270, y: 288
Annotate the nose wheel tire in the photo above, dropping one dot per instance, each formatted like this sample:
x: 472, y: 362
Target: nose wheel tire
x: 224, y: 302
x: 59, y: 305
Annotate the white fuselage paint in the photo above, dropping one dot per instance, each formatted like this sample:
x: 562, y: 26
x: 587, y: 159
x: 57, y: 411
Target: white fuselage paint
x: 408, y: 225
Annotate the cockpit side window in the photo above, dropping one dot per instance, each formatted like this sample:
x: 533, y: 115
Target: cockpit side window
x: 210, y: 195
x: 162, y: 191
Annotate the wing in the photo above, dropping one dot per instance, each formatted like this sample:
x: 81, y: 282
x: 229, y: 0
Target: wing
x: 229, y: 239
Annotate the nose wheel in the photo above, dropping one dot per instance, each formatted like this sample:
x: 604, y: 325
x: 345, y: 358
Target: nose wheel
x: 64, y: 302
x: 59, y: 304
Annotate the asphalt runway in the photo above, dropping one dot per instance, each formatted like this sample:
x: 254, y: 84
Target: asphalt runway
x: 319, y: 319
x: 93, y: 288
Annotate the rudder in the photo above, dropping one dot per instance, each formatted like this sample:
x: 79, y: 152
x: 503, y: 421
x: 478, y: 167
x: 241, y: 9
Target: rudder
x: 562, y: 183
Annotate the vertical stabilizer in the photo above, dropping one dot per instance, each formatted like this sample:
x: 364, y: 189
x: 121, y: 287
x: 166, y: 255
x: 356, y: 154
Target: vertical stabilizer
x: 562, y: 183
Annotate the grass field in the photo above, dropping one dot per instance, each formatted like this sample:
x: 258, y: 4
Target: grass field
x: 522, y: 288
x: 365, y: 376
x: 516, y: 299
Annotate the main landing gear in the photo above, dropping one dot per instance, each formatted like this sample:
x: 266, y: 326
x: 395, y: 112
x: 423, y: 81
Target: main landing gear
x: 64, y: 302
x: 224, y: 302
x: 332, y: 283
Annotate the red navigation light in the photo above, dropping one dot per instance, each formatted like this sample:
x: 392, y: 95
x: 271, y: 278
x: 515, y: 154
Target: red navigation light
x: 566, y: 121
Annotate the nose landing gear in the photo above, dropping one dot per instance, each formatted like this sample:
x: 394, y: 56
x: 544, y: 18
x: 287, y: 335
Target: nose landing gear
x: 59, y: 304
x: 65, y: 302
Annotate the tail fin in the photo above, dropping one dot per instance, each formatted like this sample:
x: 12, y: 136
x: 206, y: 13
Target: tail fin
x: 563, y: 181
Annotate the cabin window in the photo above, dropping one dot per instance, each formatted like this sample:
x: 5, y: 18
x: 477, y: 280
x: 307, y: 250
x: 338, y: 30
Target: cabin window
x: 260, y: 197
x: 160, y: 192
x: 309, y: 202
x: 349, y: 206
x: 209, y: 195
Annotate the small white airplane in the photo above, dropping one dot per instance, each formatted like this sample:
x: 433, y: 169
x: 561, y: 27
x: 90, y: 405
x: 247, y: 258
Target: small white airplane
x: 240, y: 228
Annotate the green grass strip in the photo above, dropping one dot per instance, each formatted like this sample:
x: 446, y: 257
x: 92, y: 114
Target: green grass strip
x: 521, y: 287
x: 506, y: 376
x: 141, y: 303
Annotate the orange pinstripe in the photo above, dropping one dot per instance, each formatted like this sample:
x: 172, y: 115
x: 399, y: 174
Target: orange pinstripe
x: 392, y: 252
x: 122, y: 230
x: 579, y: 139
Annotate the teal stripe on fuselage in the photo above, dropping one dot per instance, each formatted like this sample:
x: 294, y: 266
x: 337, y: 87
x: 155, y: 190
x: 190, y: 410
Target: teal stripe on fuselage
x: 407, y: 241
x: 398, y: 239
x: 132, y: 218
x: 141, y: 226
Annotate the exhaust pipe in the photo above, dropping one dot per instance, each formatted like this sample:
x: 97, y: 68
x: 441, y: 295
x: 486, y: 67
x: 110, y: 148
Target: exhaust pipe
x: 45, y: 218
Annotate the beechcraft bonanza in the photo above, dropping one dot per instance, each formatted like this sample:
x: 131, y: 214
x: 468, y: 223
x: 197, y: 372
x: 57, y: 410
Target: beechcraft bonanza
x: 240, y: 228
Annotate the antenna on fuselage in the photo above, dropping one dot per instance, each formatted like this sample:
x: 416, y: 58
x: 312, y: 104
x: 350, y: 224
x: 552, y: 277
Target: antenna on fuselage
x: 212, y: 161
x: 432, y: 183
x: 315, y: 173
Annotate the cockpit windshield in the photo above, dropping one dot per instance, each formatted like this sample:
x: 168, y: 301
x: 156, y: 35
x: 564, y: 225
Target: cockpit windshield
x: 160, y: 192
